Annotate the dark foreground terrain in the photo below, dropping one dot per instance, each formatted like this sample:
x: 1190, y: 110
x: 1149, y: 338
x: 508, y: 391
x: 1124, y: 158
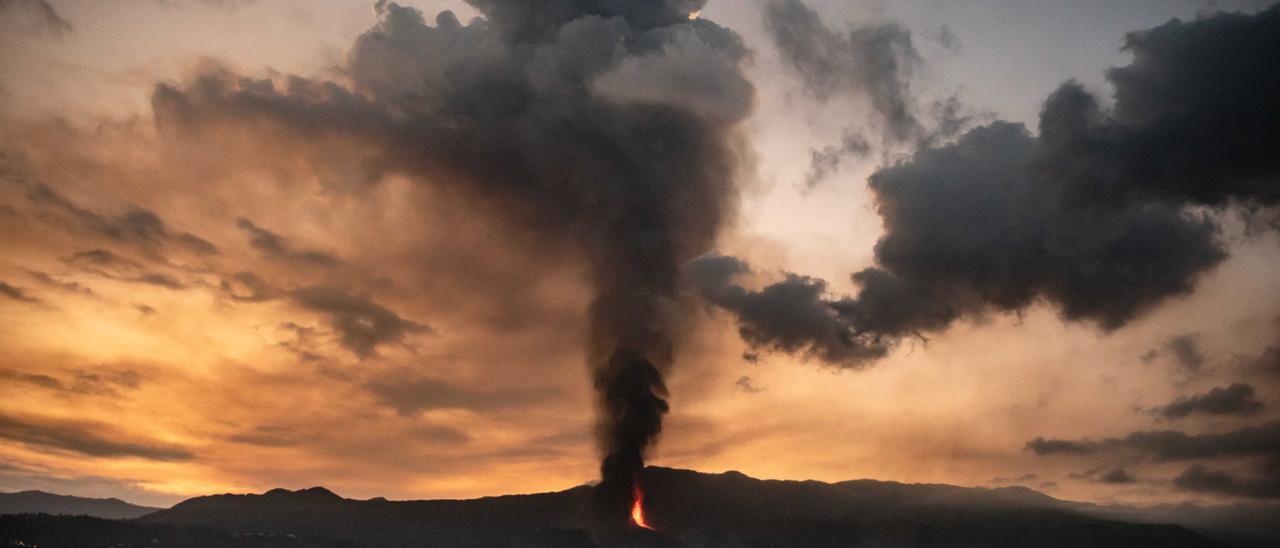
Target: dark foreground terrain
x: 687, y: 508
x: 49, y: 503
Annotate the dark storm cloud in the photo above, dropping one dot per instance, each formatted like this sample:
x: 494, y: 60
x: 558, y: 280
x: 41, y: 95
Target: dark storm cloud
x: 139, y: 227
x: 1019, y: 479
x: 1113, y: 476
x: 266, y: 436
x: 1041, y: 446
x: 362, y: 324
x: 248, y: 287
x: 32, y: 379
x: 1267, y: 361
x: 536, y: 111
x: 1102, y: 215
x: 947, y: 37
x: 747, y: 384
x: 875, y: 61
x: 16, y: 293
x: 92, y: 439
x: 1201, y: 479
x: 49, y: 281
x: 1117, y: 476
x: 275, y: 246
x: 1185, y: 352
x: 1172, y: 445
x: 109, y: 265
x: 1237, y: 399
x: 409, y: 395
x: 36, y: 16
x: 303, y: 343
x: 107, y: 382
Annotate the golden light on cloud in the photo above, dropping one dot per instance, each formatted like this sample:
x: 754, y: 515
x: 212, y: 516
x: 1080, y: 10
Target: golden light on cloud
x: 417, y: 256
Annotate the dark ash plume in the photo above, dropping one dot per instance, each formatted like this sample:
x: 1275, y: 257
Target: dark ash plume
x: 608, y: 123
x: 1101, y: 215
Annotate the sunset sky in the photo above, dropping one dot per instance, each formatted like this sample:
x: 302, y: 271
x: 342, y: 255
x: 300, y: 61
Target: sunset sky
x: 219, y: 273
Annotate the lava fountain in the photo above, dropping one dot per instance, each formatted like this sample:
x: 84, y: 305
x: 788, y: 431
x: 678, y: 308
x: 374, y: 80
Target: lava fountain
x: 637, y: 508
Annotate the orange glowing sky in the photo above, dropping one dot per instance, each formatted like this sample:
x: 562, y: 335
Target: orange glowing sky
x: 136, y: 363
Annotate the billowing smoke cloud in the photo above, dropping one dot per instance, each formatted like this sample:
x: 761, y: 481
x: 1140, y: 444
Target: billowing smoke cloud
x: 534, y: 110
x: 1101, y: 215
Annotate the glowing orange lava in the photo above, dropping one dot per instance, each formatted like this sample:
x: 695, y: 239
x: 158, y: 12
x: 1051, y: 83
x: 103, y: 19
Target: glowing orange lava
x: 637, y: 509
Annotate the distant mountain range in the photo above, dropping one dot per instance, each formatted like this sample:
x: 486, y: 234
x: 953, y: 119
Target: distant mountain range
x: 686, y: 508
x: 49, y: 503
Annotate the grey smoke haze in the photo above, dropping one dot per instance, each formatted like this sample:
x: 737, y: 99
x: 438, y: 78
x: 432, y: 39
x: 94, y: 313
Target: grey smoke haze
x: 1099, y: 215
x: 824, y: 163
x: 873, y: 61
x: 34, y: 16
x: 533, y: 110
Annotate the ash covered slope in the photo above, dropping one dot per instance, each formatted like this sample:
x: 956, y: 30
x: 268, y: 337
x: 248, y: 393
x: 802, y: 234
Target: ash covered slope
x: 692, y: 509
x: 33, y: 502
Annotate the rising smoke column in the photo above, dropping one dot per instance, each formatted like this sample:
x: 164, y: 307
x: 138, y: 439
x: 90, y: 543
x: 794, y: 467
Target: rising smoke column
x: 608, y: 123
